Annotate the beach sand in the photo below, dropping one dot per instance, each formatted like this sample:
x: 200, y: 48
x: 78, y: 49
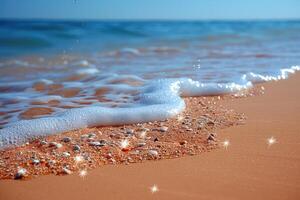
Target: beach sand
x: 249, y: 168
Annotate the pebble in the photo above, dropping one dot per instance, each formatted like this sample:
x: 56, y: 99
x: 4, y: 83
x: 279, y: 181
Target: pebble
x: 100, y: 143
x: 43, y: 142
x: 91, y: 135
x: 211, y: 123
x: 163, y: 129
x: 66, y: 154
x: 55, y: 144
x: 35, y: 161
x: 155, y: 140
x: 66, y: 139
x: 129, y: 131
x: 109, y: 155
x: 50, y: 163
x: 20, y: 173
x: 153, y: 153
x: 183, y: 142
x: 76, y: 147
x: 66, y: 171
x: 141, y: 144
x: 211, y: 137
x: 84, y: 136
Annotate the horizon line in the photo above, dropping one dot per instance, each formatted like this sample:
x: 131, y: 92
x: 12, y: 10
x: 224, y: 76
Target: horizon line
x: 145, y: 19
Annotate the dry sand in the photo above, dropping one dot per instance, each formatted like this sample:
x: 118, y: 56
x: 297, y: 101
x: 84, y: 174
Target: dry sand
x: 249, y: 168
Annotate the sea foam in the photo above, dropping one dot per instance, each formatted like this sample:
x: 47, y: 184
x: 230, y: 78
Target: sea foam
x: 157, y: 100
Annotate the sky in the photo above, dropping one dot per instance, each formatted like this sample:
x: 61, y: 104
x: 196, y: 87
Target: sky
x: 150, y: 9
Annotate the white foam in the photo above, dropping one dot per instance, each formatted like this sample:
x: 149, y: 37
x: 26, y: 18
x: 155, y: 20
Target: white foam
x: 84, y: 63
x: 130, y: 51
x: 158, y: 100
x: 89, y: 71
x: 283, y: 74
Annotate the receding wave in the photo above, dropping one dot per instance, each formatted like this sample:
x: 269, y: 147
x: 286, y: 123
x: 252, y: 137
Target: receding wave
x: 157, y: 100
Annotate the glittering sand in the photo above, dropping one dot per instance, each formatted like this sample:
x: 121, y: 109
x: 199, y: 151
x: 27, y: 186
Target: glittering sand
x: 256, y: 160
x: 192, y: 132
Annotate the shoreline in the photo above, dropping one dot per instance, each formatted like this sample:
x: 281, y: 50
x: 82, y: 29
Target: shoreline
x: 190, y: 133
x: 249, y: 168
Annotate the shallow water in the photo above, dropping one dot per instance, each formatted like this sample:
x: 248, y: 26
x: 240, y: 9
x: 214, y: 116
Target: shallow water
x: 129, y: 72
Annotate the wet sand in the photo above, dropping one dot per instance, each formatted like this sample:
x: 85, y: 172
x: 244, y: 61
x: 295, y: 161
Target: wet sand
x: 249, y: 168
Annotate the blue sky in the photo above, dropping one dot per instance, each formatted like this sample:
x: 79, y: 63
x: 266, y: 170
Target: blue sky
x: 150, y: 9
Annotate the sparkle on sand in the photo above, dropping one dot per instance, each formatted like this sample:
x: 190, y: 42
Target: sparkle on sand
x: 154, y: 189
x: 82, y: 173
x: 226, y: 143
x: 124, y: 144
x: 271, y: 141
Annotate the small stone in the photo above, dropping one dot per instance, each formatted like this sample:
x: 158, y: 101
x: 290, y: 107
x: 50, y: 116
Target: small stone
x: 183, y: 142
x: 51, y: 163
x: 153, y: 153
x: 43, y: 142
x: 141, y: 144
x: 155, y: 140
x: 66, y: 171
x: 84, y: 136
x: 91, y: 135
x: 55, y: 144
x: 94, y: 143
x: 35, y: 161
x: 100, y: 143
x: 66, y: 139
x: 129, y: 131
x: 52, y: 144
x: 66, y: 154
x: 109, y: 156
x: 211, y: 137
x: 103, y: 142
x: 21, y: 173
x: 76, y: 147
x: 210, y: 123
x: 163, y: 129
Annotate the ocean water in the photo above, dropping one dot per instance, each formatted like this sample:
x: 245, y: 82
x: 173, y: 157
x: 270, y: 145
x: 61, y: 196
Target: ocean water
x: 57, y: 76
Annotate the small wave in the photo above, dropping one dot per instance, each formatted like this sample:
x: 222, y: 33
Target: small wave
x: 88, y: 71
x: 258, y: 78
x: 158, y: 100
